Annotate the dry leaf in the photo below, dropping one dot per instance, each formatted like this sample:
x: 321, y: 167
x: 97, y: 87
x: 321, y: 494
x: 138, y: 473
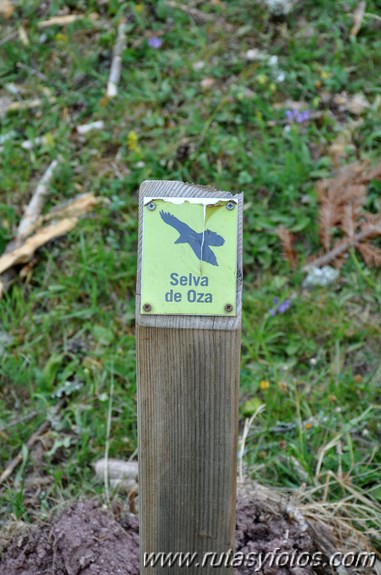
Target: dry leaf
x: 343, y: 143
x: 287, y: 240
x: 329, y: 217
x: 356, y: 104
x: 348, y: 223
x: 371, y: 254
x: 341, y: 201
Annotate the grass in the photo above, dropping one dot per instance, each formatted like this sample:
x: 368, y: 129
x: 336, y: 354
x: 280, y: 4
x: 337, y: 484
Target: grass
x: 316, y: 368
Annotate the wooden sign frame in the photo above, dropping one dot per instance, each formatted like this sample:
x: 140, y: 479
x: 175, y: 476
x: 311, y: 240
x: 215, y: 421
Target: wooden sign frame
x: 188, y: 388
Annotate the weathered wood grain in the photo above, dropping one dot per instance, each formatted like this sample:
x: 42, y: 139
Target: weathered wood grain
x: 188, y: 387
x: 188, y: 383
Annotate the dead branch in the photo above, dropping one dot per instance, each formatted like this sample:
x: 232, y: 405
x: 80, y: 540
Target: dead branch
x: 116, y: 64
x: 15, y: 462
x: 67, y: 213
x: 25, y: 252
x: 343, y: 247
x: 34, y: 208
x: 28, y: 221
x: 72, y: 208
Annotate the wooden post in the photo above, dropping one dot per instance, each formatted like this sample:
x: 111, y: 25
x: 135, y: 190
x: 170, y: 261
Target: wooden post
x: 188, y: 386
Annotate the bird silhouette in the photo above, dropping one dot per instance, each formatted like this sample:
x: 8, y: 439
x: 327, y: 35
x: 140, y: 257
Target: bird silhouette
x: 199, y: 242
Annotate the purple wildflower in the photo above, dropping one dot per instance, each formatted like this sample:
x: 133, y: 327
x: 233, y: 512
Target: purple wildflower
x: 281, y: 307
x: 155, y: 42
x: 290, y: 115
x: 284, y: 306
x: 296, y: 116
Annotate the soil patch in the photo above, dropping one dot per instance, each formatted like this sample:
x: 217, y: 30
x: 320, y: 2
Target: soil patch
x: 87, y: 540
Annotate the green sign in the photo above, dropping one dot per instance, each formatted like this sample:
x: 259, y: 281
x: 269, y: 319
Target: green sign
x: 189, y: 261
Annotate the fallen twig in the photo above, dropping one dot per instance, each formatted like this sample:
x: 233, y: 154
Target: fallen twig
x: 116, y: 64
x: 72, y: 208
x: 358, y: 17
x: 66, y: 19
x: 24, y: 253
x: 66, y: 214
x: 343, y: 247
x: 15, y: 462
x: 25, y: 105
x: 23, y: 35
x: 27, y: 224
x: 34, y: 208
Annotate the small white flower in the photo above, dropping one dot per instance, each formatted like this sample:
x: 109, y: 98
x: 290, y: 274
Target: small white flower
x: 198, y: 65
x: 280, y: 76
x: 254, y: 54
x: 320, y: 277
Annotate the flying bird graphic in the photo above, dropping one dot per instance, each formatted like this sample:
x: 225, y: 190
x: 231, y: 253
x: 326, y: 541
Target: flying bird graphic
x: 199, y: 242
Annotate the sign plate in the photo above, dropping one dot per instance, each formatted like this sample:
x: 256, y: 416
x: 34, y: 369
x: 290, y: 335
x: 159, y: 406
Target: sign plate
x: 189, y: 259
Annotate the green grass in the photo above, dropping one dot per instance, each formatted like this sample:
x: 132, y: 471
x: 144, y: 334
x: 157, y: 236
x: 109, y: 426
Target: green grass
x: 71, y: 326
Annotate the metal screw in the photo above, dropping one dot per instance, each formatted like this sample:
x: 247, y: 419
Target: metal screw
x: 228, y: 307
x: 230, y: 205
x: 147, y: 307
x: 151, y: 206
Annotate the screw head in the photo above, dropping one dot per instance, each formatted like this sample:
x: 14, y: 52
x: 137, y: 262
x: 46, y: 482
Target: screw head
x: 151, y: 206
x: 147, y: 307
x: 228, y: 307
x: 230, y: 205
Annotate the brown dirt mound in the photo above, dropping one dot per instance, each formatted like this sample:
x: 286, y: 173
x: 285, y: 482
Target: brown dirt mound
x: 87, y: 540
